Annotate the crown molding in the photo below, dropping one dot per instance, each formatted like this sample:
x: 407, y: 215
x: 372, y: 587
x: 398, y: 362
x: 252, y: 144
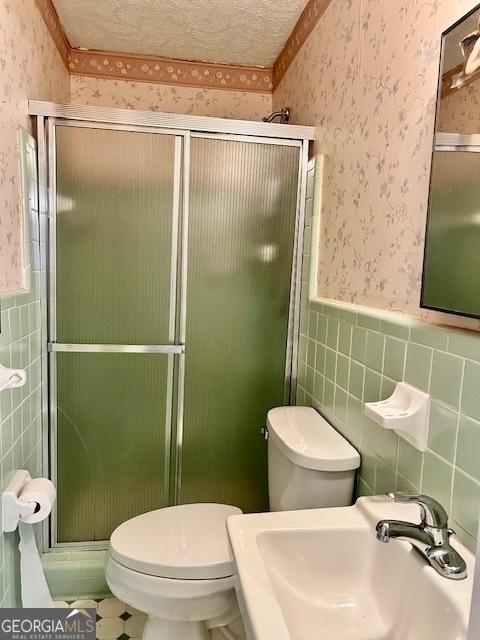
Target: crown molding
x: 304, y: 27
x: 124, y: 66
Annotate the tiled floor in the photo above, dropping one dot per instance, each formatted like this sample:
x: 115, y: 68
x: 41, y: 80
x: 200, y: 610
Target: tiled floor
x: 114, y: 618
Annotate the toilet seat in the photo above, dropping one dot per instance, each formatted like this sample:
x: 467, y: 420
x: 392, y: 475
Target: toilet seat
x: 186, y: 542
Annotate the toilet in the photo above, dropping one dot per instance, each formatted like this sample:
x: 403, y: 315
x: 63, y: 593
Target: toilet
x: 175, y: 565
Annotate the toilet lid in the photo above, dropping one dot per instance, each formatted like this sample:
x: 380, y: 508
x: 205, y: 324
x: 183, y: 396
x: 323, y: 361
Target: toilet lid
x: 188, y: 541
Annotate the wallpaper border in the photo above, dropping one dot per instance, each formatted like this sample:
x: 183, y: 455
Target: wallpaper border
x: 122, y: 66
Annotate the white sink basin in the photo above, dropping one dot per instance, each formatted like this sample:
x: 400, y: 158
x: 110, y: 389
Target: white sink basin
x: 322, y: 574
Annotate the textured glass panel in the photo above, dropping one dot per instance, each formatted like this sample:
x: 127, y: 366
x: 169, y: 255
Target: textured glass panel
x: 114, y: 234
x: 111, y: 441
x: 452, y: 258
x: 241, y: 229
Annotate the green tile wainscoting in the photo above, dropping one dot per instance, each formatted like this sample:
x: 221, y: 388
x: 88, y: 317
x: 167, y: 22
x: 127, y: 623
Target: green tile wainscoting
x: 20, y: 347
x: 350, y: 354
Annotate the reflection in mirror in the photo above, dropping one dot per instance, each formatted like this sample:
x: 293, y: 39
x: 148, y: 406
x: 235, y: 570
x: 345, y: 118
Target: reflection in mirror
x: 451, y: 275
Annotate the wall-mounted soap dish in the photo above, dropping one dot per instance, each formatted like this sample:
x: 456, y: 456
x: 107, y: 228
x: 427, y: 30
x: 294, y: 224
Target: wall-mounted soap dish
x: 407, y: 412
x: 11, y: 378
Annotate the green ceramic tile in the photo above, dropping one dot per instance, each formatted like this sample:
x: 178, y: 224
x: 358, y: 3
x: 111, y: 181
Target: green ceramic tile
x: 341, y: 404
x: 468, y: 447
x: 363, y: 489
x: 329, y: 396
x: 304, y: 321
x: 332, y: 333
x: 318, y: 385
x: 311, y: 352
x: 348, y: 315
x: 302, y: 348
x: 402, y: 484
x: 394, y: 363
x: 343, y: 365
x: 344, y: 337
x: 300, y: 397
x: 418, y: 366
x: 409, y: 462
x: 387, y: 388
x: 468, y: 540
x: 359, y: 343
x: 442, y: 431
x: 470, y: 403
x: 437, y: 479
x: 317, y: 306
x: 446, y: 378
x: 367, y: 320
x: 384, y: 478
x: 368, y: 466
x: 354, y: 416
x: 398, y: 329
x: 372, y: 386
x: 322, y: 328
x: 370, y: 432
x: 387, y: 446
x: 466, y: 344
x: 374, y: 352
x: 312, y: 324
x: 301, y: 373
x: 466, y: 502
x: 357, y: 376
x: 429, y: 336
x: 309, y: 379
x: 330, y: 364
x: 320, y: 358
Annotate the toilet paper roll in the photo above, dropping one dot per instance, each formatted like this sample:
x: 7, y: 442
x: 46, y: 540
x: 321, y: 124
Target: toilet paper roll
x: 41, y: 492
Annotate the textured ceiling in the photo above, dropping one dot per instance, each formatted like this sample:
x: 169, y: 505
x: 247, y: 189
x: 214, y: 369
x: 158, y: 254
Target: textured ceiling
x: 245, y: 32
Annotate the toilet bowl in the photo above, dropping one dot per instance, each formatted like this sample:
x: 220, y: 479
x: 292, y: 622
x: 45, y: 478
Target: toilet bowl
x: 175, y: 565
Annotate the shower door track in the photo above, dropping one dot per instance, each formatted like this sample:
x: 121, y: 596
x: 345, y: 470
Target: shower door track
x: 48, y: 117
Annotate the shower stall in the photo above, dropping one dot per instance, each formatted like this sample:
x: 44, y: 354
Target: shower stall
x: 171, y: 304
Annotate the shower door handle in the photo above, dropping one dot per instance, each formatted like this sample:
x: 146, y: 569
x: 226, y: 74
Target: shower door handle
x: 175, y: 349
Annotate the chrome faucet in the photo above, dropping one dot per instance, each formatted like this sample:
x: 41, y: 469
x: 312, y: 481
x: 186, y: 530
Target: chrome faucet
x: 431, y: 537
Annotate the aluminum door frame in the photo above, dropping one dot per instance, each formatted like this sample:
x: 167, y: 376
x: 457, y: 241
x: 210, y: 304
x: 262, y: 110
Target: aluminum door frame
x: 47, y: 191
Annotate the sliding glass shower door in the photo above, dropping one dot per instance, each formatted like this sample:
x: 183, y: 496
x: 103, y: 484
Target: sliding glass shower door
x: 113, y: 324
x: 170, y: 318
x: 241, y: 225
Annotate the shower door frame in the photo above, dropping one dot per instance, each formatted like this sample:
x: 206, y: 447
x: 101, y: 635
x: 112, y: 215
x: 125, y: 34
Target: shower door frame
x: 183, y: 128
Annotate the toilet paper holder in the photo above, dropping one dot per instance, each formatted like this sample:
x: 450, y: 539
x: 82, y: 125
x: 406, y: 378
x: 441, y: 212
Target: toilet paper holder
x: 13, y: 509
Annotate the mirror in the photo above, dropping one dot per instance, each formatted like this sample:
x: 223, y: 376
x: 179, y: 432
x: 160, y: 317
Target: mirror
x: 451, y: 272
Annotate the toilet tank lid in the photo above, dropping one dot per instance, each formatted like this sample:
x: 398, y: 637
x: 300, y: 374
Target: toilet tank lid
x: 308, y: 440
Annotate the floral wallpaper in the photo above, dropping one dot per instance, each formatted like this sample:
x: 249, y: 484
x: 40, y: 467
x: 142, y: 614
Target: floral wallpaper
x: 460, y: 110
x: 366, y: 77
x: 30, y: 68
x: 161, y: 97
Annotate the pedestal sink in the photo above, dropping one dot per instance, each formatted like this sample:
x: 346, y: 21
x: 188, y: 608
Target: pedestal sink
x: 321, y: 574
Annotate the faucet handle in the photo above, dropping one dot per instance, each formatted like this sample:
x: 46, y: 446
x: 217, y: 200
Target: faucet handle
x: 433, y: 514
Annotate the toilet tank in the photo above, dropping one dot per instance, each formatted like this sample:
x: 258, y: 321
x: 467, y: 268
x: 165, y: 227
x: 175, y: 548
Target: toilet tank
x: 310, y: 464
